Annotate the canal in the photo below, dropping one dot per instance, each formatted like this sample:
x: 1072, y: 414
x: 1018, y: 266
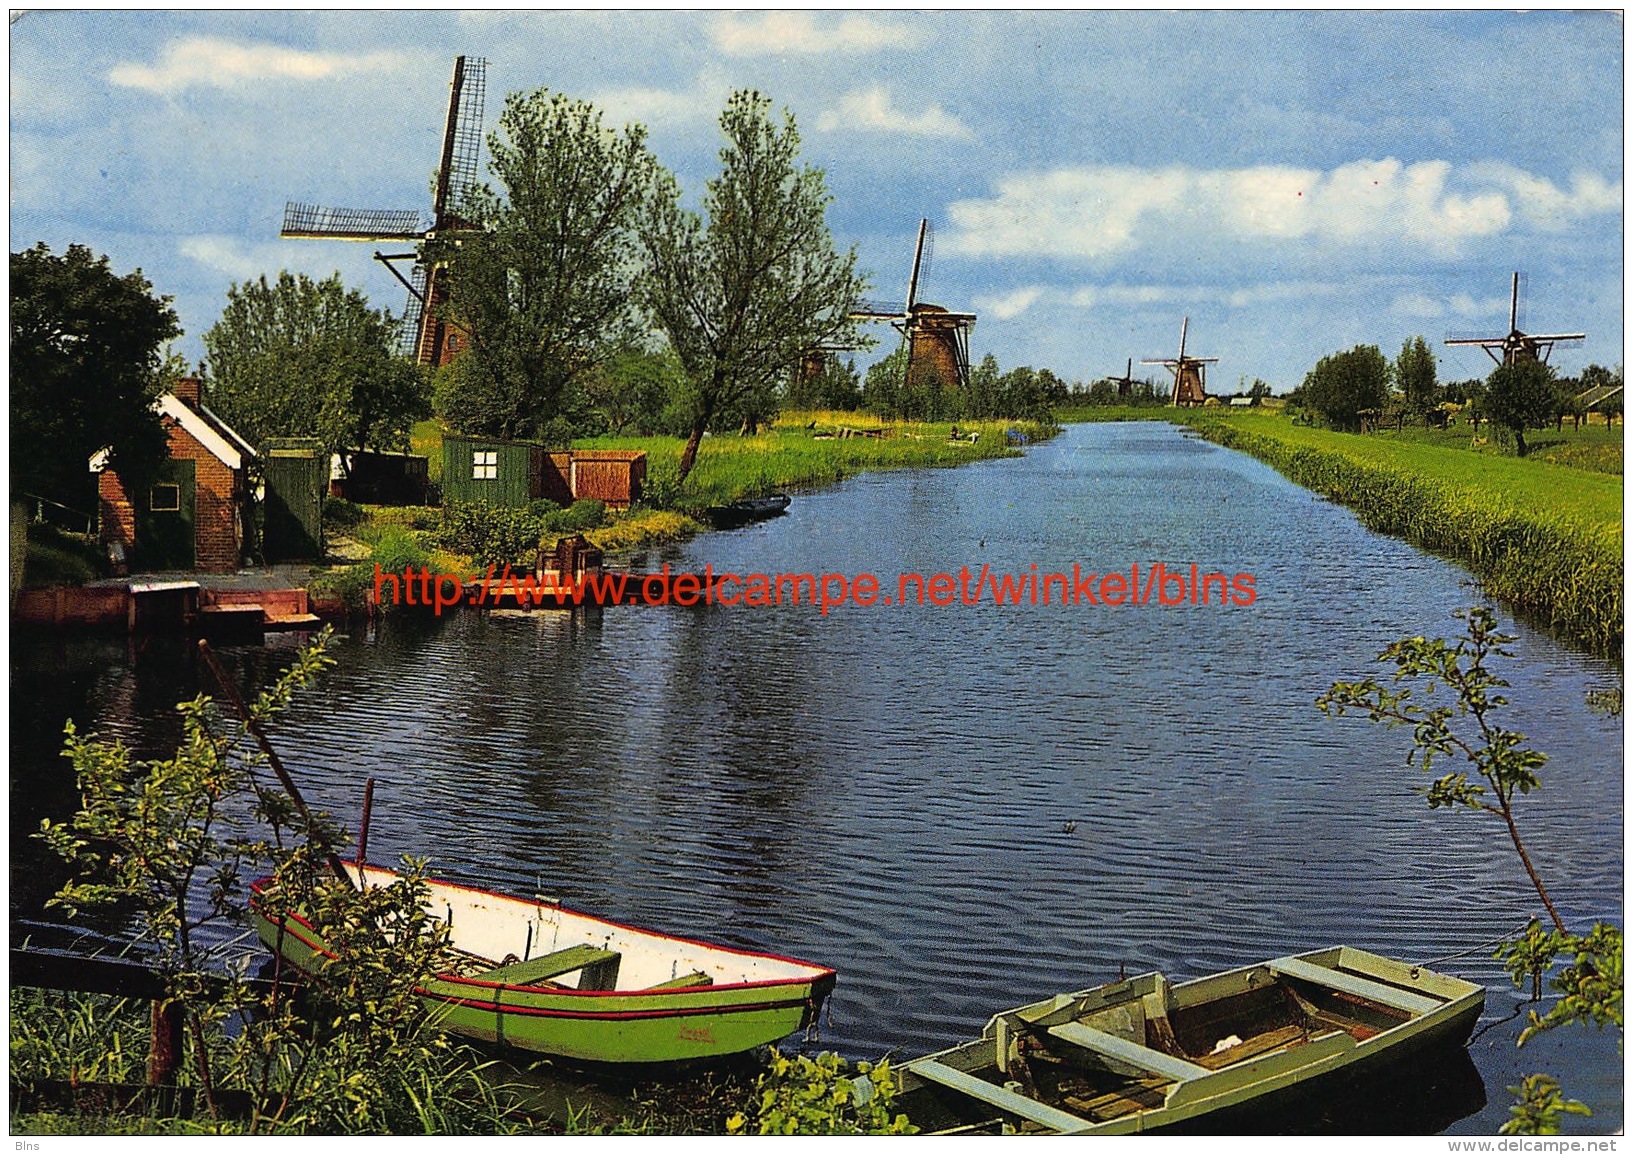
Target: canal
x: 961, y: 808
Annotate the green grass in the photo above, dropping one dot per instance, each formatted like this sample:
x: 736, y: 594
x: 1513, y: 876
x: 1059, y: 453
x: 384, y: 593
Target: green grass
x: 1593, y: 447
x: 1544, y: 537
x: 792, y: 455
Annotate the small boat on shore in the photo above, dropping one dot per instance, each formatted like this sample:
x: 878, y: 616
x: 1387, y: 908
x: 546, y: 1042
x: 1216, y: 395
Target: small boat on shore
x: 1141, y: 1054
x: 531, y: 974
x: 738, y: 513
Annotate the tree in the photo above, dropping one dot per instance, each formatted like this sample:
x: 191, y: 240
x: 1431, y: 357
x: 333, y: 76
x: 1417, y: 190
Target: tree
x: 1519, y: 396
x: 1498, y: 769
x: 86, y: 354
x: 743, y: 296
x: 984, y: 379
x: 835, y: 385
x: 305, y: 358
x: 1343, y: 386
x: 629, y: 387
x: 1414, y: 373
x: 1259, y: 390
x: 543, y: 286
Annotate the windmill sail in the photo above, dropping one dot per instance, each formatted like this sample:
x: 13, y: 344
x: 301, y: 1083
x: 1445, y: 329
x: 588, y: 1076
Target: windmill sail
x: 460, y: 168
x: 321, y: 222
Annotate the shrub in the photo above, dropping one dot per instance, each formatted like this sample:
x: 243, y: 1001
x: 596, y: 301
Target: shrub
x: 802, y: 1096
x: 342, y: 514
x: 493, y: 535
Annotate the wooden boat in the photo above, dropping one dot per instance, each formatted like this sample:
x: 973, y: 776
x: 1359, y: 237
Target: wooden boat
x: 1141, y: 1054
x: 535, y: 975
x: 738, y: 513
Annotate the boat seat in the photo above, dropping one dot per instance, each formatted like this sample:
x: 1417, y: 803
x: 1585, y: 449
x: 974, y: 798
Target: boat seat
x: 1297, y: 968
x: 1124, y: 1051
x: 695, y: 979
x: 600, y: 969
x: 995, y: 1096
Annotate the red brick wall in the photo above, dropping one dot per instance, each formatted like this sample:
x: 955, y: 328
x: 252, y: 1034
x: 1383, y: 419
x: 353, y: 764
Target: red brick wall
x: 116, y: 514
x: 217, y: 503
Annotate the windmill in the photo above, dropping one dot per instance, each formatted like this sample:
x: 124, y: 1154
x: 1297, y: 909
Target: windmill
x: 426, y: 334
x: 1517, y: 346
x: 1125, y: 383
x: 935, y: 337
x: 1190, y: 373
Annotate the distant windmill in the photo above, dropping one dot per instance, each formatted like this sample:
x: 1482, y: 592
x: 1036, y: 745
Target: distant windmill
x: 1190, y: 373
x: 1517, y: 346
x: 426, y: 335
x: 934, y: 336
x: 1125, y: 383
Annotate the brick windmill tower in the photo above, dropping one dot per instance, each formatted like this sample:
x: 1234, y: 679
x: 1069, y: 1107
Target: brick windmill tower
x: 1190, y: 373
x: 937, y: 339
x: 427, y: 336
x: 1514, y: 345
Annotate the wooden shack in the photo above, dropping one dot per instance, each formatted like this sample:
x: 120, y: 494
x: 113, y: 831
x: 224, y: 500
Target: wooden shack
x: 613, y: 476
x: 379, y: 478
x: 192, y: 515
x: 491, y: 471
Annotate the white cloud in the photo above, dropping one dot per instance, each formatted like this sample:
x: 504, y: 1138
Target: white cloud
x: 702, y: 102
x: 1423, y: 306
x: 796, y: 32
x: 232, y: 256
x: 216, y: 63
x: 1544, y: 203
x: 869, y: 110
x: 1009, y: 305
x: 1243, y: 297
x: 1097, y: 212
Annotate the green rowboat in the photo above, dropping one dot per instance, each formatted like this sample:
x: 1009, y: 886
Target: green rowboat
x: 544, y: 978
x: 1141, y: 1054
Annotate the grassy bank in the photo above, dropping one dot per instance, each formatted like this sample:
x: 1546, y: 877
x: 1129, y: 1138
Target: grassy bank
x: 805, y: 449
x: 802, y: 450
x: 1544, y: 537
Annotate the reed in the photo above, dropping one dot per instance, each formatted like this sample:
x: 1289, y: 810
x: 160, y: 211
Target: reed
x: 1544, y: 538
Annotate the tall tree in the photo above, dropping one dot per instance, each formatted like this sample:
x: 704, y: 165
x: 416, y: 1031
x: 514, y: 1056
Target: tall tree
x: 305, y: 358
x: 543, y: 287
x: 86, y: 350
x: 744, y: 295
x: 1519, y: 396
x: 1343, y: 386
x: 1414, y: 372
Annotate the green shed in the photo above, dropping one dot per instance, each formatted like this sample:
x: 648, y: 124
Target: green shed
x: 491, y: 471
x: 297, y: 476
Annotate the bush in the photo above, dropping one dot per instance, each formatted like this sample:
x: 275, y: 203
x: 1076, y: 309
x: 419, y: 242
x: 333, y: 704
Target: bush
x: 56, y: 557
x: 802, y: 1096
x: 585, y: 513
x: 342, y: 514
x: 493, y: 535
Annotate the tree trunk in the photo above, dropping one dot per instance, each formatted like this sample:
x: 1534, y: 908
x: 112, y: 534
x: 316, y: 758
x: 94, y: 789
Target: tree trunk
x: 1519, y: 441
x: 688, y: 456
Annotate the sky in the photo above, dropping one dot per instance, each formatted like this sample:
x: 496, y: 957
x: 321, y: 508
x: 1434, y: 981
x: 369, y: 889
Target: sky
x: 1295, y: 183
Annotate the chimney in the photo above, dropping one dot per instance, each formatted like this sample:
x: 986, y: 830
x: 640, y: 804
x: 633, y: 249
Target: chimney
x: 186, y: 389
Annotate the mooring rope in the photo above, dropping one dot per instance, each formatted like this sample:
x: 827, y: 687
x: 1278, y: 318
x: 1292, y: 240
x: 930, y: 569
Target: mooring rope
x: 1479, y: 946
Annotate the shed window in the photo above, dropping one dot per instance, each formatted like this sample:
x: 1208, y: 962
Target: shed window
x: 165, y: 499
x: 484, y: 465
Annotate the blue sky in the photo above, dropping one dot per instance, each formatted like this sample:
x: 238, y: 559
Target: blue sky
x: 1295, y: 182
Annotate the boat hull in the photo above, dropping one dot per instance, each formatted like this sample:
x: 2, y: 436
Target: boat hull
x: 599, y: 1026
x: 1134, y: 1056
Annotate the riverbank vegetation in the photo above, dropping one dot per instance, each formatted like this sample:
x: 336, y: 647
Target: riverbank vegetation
x: 803, y: 449
x: 1545, y: 538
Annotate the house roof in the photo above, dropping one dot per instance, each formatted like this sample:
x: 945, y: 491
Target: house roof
x: 200, y: 424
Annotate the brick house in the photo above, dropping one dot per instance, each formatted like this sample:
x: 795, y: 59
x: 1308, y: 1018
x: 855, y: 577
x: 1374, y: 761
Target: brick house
x: 193, y: 514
